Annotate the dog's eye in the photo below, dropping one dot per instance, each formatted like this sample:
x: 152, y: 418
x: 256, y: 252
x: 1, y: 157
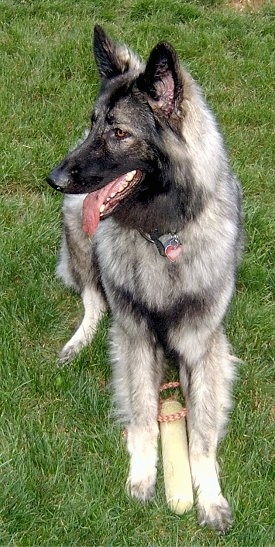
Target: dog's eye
x: 119, y: 133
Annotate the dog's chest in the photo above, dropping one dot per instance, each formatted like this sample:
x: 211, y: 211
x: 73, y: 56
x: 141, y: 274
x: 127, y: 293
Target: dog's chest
x: 130, y: 263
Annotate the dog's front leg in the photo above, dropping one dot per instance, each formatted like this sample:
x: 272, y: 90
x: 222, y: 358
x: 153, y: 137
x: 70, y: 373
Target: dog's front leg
x: 142, y: 447
x: 137, y: 374
x: 207, y: 388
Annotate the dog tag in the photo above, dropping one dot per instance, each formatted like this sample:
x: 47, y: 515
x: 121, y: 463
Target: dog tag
x: 168, y: 245
x: 172, y: 248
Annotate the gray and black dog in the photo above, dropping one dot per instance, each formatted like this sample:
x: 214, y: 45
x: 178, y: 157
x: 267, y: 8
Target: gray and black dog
x: 153, y: 231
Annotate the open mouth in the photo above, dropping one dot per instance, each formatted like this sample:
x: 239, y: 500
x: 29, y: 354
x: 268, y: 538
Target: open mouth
x: 102, y: 202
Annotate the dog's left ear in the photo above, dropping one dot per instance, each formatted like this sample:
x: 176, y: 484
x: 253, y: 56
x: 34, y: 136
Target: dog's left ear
x: 162, y: 80
x: 112, y: 59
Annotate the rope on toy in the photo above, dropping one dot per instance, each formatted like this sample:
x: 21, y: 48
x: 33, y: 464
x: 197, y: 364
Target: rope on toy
x: 175, y: 456
x: 177, y: 415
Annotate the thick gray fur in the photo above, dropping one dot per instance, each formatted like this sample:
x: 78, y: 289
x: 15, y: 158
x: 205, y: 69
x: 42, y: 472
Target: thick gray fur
x: 162, y: 310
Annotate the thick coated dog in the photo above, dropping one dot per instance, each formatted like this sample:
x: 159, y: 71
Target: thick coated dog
x: 152, y: 229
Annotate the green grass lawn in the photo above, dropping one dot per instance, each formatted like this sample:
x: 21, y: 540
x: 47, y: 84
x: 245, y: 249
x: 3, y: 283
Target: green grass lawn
x: 63, y: 465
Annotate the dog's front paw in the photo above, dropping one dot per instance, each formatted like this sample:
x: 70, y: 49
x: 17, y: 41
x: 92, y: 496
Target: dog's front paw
x: 142, y: 446
x: 216, y: 514
x: 142, y: 488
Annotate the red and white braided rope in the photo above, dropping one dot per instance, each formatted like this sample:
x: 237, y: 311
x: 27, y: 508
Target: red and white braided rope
x: 176, y: 415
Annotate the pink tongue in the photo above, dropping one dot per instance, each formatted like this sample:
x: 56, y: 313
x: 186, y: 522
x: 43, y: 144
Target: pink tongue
x: 93, y: 202
x: 90, y: 213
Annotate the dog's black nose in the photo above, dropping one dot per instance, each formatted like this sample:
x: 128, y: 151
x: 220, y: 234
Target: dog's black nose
x: 58, y: 179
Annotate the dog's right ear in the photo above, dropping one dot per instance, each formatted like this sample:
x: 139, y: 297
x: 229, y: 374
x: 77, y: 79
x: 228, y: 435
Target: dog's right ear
x: 112, y: 59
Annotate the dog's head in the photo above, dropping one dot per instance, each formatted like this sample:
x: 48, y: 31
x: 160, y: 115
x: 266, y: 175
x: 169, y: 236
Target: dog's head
x: 121, y: 156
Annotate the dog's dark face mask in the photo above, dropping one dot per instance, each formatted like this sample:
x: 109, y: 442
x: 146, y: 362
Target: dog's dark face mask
x: 121, y: 158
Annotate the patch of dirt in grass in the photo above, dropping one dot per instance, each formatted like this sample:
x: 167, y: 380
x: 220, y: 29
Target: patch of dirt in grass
x: 241, y: 5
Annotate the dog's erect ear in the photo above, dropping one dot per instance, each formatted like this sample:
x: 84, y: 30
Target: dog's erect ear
x: 112, y: 59
x: 162, y: 81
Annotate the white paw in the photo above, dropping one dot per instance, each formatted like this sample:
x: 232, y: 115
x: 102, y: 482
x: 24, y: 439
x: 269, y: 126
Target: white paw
x: 142, y: 447
x: 216, y: 514
x: 69, y: 352
x: 141, y: 487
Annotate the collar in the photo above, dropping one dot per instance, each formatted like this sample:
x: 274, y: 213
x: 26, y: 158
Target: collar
x: 168, y: 245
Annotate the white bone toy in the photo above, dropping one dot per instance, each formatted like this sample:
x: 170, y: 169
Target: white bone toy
x: 176, y: 468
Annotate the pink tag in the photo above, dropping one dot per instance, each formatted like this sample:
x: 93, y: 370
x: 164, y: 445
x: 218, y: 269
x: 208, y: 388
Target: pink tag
x: 173, y: 251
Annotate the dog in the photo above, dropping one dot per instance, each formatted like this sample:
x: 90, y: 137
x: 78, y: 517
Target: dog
x: 153, y: 232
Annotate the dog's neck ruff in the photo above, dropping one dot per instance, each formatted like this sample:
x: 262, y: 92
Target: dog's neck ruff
x: 168, y: 245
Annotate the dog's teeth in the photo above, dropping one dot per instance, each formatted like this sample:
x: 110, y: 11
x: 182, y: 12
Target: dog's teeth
x: 102, y: 208
x: 130, y: 176
x: 123, y: 186
x: 112, y: 195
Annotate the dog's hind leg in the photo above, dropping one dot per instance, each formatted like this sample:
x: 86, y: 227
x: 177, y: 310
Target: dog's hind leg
x: 94, y: 307
x: 78, y: 269
x: 207, y: 385
x: 137, y: 375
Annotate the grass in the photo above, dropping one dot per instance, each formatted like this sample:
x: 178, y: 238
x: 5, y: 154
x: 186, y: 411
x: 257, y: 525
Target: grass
x: 63, y: 464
